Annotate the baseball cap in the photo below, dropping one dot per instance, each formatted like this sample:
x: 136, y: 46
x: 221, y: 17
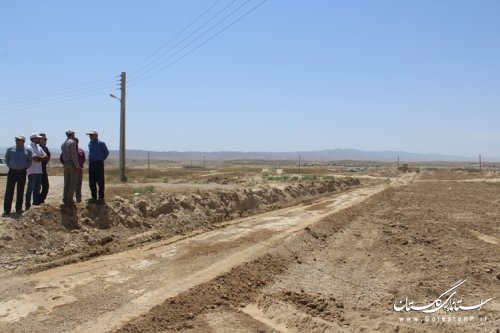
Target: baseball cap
x: 20, y: 137
x: 70, y: 131
x: 35, y: 136
x: 43, y: 135
x: 92, y: 133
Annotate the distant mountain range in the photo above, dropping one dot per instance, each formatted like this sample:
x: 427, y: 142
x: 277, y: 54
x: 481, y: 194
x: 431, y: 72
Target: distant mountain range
x: 319, y: 155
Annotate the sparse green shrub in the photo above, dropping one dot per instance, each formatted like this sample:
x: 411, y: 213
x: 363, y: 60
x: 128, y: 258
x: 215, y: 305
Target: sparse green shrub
x: 148, y: 189
x: 309, y: 178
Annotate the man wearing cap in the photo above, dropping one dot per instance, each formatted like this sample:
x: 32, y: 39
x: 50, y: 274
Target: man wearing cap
x: 35, y: 172
x: 98, y: 152
x: 18, y: 158
x: 45, y: 175
x: 71, y: 167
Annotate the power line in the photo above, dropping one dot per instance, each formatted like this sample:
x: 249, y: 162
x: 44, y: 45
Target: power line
x: 151, y: 64
x: 201, y: 44
x: 103, y: 86
x: 174, y: 37
x: 68, y: 98
x: 62, y: 91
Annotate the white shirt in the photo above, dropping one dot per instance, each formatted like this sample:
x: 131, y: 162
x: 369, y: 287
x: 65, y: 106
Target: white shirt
x: 36, y: 167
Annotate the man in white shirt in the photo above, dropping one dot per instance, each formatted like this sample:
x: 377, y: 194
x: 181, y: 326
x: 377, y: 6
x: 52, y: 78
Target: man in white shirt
x: 35, y: 172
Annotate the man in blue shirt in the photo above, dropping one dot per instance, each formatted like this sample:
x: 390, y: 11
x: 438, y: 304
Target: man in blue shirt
x: 98, y: 152
x: 18, y: 159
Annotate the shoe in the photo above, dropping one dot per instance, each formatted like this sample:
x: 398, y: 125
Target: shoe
x: 19, y: 211
x: 5, y: 214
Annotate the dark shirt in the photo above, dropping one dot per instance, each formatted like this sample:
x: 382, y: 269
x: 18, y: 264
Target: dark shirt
x: 44, y: 164
x: 97, y: 151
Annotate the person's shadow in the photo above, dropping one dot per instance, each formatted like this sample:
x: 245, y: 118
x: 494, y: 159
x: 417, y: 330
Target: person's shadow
x: 69, y: 217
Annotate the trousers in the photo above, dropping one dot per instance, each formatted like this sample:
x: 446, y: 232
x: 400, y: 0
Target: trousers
x: 14, y: 177
x: 70, y: 182
x: 96, y: 178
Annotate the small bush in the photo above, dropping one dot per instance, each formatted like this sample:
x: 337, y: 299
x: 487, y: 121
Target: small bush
x: 309, y: 178
x: 147, y: 189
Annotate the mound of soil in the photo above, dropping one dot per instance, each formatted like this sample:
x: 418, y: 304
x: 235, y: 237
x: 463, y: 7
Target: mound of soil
x: 51, y: 235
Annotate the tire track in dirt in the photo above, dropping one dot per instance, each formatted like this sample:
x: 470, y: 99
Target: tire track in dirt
x: 101, y: 294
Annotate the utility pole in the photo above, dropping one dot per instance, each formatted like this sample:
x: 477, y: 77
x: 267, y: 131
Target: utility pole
x: 398, y: 162
x: 148, y: 166
x: 123, y: 87
x: 299, y: 164
x: 479, y: 162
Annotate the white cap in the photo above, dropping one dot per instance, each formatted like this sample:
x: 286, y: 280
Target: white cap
x: 35, y: 136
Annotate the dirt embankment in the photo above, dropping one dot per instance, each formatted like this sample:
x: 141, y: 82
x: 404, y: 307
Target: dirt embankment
x: 345, y: 273
x: 51, y: 235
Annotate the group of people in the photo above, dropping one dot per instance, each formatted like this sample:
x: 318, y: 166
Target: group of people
x: 31, y: 162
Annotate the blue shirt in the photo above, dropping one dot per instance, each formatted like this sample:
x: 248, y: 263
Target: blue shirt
x: 18, y: 158
x: 97, y: 151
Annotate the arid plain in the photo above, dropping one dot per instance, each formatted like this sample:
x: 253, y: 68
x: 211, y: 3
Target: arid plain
x: 260, y: 246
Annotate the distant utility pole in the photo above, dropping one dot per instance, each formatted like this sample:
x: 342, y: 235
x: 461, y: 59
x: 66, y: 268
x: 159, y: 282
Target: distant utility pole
x: 479, y: 162
x: 148, y: 166
x: 299, y: 164
x: 191, y: 168
x: 203, y: 162
x: 398, y: 162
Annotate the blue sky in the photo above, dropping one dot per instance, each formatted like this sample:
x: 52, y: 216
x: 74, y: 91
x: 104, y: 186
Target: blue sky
x: 419, y: 76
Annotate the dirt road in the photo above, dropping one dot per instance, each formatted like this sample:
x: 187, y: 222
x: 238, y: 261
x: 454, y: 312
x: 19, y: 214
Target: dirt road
x: 337, y: 265
x: 348, y: 271
x: 101, y: 294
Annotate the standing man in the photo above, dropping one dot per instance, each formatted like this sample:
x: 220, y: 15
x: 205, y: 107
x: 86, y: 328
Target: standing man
x: 81, y: 162
x: 71, y: 167
x: 35, y: 172
x: 45, y: 175
x: 18, y: 159
x: 98, y: 152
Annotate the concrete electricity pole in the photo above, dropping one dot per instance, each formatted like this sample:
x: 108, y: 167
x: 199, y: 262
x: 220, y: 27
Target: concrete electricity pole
x: 123, y: 88
x: 123, y: 177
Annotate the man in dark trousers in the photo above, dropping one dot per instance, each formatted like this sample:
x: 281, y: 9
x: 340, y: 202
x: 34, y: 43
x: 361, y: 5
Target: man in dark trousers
x: 98, y: 152
x: 18, y: 159
x: 45, y: 175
